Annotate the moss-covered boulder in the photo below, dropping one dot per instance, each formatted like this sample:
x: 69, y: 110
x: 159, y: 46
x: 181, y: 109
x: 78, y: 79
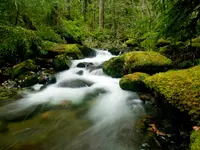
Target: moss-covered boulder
x: 180, y: 88
x: 61, y: 62
x: 114, y: 67
x: 27, y: 79
x: 52, y: 49
x: 195, y: 140
x: 27, y: 65
x: 133, y: 81
x: 137, y: 61
x: 86, y: 51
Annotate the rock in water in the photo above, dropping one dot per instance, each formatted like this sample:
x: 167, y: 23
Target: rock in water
x: 3, y: 126
x: 84, y: 64
x: 75, y: 83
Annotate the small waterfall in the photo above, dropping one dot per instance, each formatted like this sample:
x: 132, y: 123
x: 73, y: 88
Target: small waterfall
x: 113, y: 115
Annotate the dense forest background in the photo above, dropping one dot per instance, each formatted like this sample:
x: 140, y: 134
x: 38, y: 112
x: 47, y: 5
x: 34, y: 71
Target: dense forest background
x: 112, y: 24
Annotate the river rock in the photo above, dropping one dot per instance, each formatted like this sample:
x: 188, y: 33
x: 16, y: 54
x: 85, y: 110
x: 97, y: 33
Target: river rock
x: 133, y: 82
x: 86, y: 51
x: 75, y: 83
x: 84, y: 64
x: 80, y: 72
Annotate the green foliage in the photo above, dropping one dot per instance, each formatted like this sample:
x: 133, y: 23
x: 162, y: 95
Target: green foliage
x: 16, y: 40
x: 195, y: 140
x: 133, y: 81
x: 71, y: 31
x: 180, y: 88
x: 185, y: 64
x: 162, y: 42
x: 149, y: 41
x: 179, y: 22
x: 49, y: 35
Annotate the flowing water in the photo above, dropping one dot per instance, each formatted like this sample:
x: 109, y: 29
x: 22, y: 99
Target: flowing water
x: 99, y: 115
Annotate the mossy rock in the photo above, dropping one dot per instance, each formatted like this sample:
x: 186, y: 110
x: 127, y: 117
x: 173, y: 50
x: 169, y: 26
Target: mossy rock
x: 133, y: 81
x: 6, y: 93
x: 137, y: 61
x: 180, y: 88
x: 195, y: 140
x: 162, y: 42
x: 52, y: 49
x: 114, y: 67
x: 86, y: 51
x: 61, y: 62
x: 27, y: 65
x: 27, y: 79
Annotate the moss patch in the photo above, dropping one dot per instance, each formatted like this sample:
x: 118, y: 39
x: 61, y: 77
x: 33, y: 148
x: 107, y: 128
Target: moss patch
x: 114, y: 67
x: 6, y: 93
x: 137, y: 61
x: 132, y: 82
x: 71, y: 50
x: 195, y: 140
x: 28, y: 65
x: 181, y: 88
x: 61, y: 62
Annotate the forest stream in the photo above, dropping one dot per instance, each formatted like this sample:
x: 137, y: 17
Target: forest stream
x: 84, y: 110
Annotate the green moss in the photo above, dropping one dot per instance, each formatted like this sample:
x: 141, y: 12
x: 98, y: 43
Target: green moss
x: 27, y: 79
x: 114, y: 67
x: 185, y: 64
x: 132, y: 43
x: 132, y: 82
x: 162, y: 42
x: 71, y: 50
x: 50, y: 35
x: 180, y: 88
x: 28, y: 65
x: 137, y: 61
x: 15, y: 40
x: 148, y: 62
x: 196, y: 62
x: 195, y: 140
x: 61, y: 62
x: 6, y: 94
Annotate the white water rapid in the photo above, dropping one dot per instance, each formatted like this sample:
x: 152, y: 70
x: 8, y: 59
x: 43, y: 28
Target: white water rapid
x: 113, y: 115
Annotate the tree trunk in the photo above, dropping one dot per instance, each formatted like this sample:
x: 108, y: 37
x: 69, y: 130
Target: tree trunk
x: 85, y: 4
x: 17, y: 15
x: 101, y: 14
x: 68, y: 9
x: 114, y: 17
